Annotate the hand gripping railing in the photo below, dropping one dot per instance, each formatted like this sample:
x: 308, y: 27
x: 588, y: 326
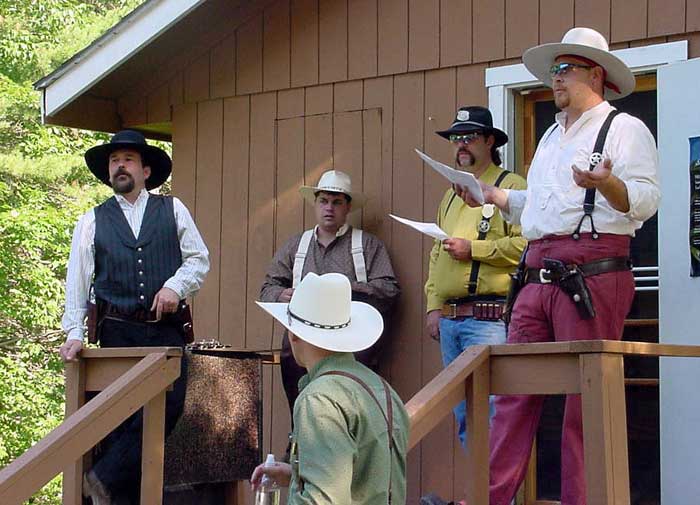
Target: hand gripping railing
x: 592, y: 368
x: 128, y: 378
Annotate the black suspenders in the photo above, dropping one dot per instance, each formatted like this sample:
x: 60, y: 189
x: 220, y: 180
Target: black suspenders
x: 596, y: 157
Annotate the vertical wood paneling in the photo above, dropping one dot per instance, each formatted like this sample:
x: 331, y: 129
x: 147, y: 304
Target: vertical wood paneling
x: 290, y: 103
x: 318, y: 155
x: 249, y: 59
x: 158, y: 105
x: 373, y: 211
x: 408, y: 183
x: 379, y: 94
x: 471, y: 89
x: 276, y: 43
x: 319, y: 99
x: 692, y: 17
x: 593, y: 14
x: 628, y: 20
x: 333, y: 40
x: 185, y: 155
x: 177, y: 89
x: 439, y: 113
x: 197, y: 80
x: 423, y: 34
x: 347, y: 151
x: 489, y: 29
x: 393, y: 36
x: 556, y: 18
x: 304, y: 42
x: 362, y: 38
x: 260, y: 213
x: 522, y: 26
x: 455, y: 32
x: 210, y: 127
x: 234, y: 229
x: 666, y: 17
x: 347, y: 96
x: 223, y: 68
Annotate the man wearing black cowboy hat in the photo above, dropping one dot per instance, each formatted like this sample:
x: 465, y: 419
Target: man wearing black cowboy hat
x: 140, y: 255
x: 469, y: 272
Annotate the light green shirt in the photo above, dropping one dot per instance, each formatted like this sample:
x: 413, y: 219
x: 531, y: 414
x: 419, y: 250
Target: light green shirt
x: 340, y: 450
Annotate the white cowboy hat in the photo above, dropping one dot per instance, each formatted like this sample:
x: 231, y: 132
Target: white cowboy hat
x: 321, y: 313
x: 588, y: 44
x: 334, y: 181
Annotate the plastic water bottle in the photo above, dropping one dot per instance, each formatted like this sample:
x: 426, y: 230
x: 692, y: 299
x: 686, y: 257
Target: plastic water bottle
x: 268, y: 492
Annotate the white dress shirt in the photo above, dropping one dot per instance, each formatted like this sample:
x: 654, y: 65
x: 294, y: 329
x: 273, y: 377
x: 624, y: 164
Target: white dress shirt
x: 552, y: 204
x: 81, y: 264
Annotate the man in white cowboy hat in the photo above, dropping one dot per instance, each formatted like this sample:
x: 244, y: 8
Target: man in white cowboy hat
x: 470, y: 272
x: 592, y: 183
x: 331, y: 246
x: 350, y: 427
x: 136, y: 257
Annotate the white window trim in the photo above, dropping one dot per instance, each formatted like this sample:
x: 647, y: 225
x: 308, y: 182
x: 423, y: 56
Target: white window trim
x: 107, y: 53
x: 503, y: 82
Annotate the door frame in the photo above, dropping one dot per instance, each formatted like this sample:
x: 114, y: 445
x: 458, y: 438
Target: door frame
x: 502, y: 83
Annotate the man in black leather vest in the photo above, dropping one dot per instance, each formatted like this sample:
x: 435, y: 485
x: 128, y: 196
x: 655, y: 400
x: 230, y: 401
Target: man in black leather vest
x: 137, y: 257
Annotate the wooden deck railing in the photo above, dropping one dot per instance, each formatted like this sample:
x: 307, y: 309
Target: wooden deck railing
x: 592, y: 368
x: 128, y: 380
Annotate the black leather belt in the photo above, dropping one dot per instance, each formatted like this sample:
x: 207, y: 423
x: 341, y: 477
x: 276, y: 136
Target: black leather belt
x: 602, y: 266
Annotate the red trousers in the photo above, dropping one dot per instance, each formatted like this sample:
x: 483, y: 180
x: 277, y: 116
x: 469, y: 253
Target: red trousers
x: 544, y: 313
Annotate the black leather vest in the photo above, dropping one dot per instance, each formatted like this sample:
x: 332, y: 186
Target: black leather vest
x: 129, y: 270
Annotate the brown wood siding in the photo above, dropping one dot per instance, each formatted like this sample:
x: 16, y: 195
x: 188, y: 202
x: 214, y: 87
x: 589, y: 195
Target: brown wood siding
x: 197, y: 80
x: 267, y: 144
x: 210, y: 129
x: 455, y: 32
x: 276, y: 44
x: 423, y: 34
x: 158, y: 105
x: 223, y: 68
x: 522, y: 26
x: 249, y: 57
x: 362, y: 38
x: 333, y: 40
x: 666, y: 17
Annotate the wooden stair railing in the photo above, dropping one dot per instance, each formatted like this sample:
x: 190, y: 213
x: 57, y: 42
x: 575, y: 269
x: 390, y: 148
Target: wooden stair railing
x: 136, y: 378
x: 592, y: 368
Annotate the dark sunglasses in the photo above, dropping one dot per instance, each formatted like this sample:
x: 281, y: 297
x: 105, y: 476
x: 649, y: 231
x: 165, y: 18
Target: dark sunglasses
x: 464, y: 137
x: 563, y: 68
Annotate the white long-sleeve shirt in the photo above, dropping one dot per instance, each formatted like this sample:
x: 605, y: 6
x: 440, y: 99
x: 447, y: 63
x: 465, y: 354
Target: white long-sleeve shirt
x: 552, y: 204
x: 81, y: 263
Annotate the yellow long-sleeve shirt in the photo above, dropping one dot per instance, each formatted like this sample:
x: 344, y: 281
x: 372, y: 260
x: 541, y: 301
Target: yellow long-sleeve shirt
x: 498, y: 253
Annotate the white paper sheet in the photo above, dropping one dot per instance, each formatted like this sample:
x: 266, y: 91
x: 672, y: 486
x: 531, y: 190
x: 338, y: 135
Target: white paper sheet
x: 455, y: 176
x: 430, y: 229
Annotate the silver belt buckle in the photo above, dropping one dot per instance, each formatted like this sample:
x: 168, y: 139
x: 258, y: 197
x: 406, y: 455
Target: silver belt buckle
x: 454, y: 310
x: 542, y: 278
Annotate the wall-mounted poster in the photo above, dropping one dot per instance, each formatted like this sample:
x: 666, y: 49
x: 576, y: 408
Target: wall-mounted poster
x: 694, y: 206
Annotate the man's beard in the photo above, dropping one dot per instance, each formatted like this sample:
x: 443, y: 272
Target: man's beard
x: 561, y: 101
x: 123, y: 186
x: 468, y: 162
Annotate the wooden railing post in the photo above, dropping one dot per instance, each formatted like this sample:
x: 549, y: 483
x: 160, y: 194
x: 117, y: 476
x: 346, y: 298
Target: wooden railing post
x: 153, y: 452
x: 477, y: 396
x: 605, y: 429
x: 75, y: 398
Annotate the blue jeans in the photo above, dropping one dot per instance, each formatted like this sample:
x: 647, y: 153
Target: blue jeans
x: 456, y: 335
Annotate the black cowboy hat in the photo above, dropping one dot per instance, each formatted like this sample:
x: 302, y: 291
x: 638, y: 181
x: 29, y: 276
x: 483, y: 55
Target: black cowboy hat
x: 97, y: 158
x: 474, y: 119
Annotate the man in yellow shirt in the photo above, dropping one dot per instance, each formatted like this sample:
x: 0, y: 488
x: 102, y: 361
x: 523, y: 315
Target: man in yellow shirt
x: 469, y: 272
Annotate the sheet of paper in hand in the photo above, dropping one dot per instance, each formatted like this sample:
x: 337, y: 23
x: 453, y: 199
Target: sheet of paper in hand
x: 464, y: 179
x: 430, y: 229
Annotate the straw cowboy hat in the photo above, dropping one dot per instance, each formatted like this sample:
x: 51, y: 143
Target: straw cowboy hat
x: 334, y: 181
x: 588, y: 44
x: 321, y: 313
x: 97, y: 158
x: 474, y: 119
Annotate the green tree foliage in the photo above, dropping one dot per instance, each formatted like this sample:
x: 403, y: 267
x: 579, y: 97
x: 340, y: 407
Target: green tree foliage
x: 44, y: 188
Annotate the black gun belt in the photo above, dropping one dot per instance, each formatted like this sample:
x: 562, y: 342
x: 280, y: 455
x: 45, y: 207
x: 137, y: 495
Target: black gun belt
x: 602, y: 266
